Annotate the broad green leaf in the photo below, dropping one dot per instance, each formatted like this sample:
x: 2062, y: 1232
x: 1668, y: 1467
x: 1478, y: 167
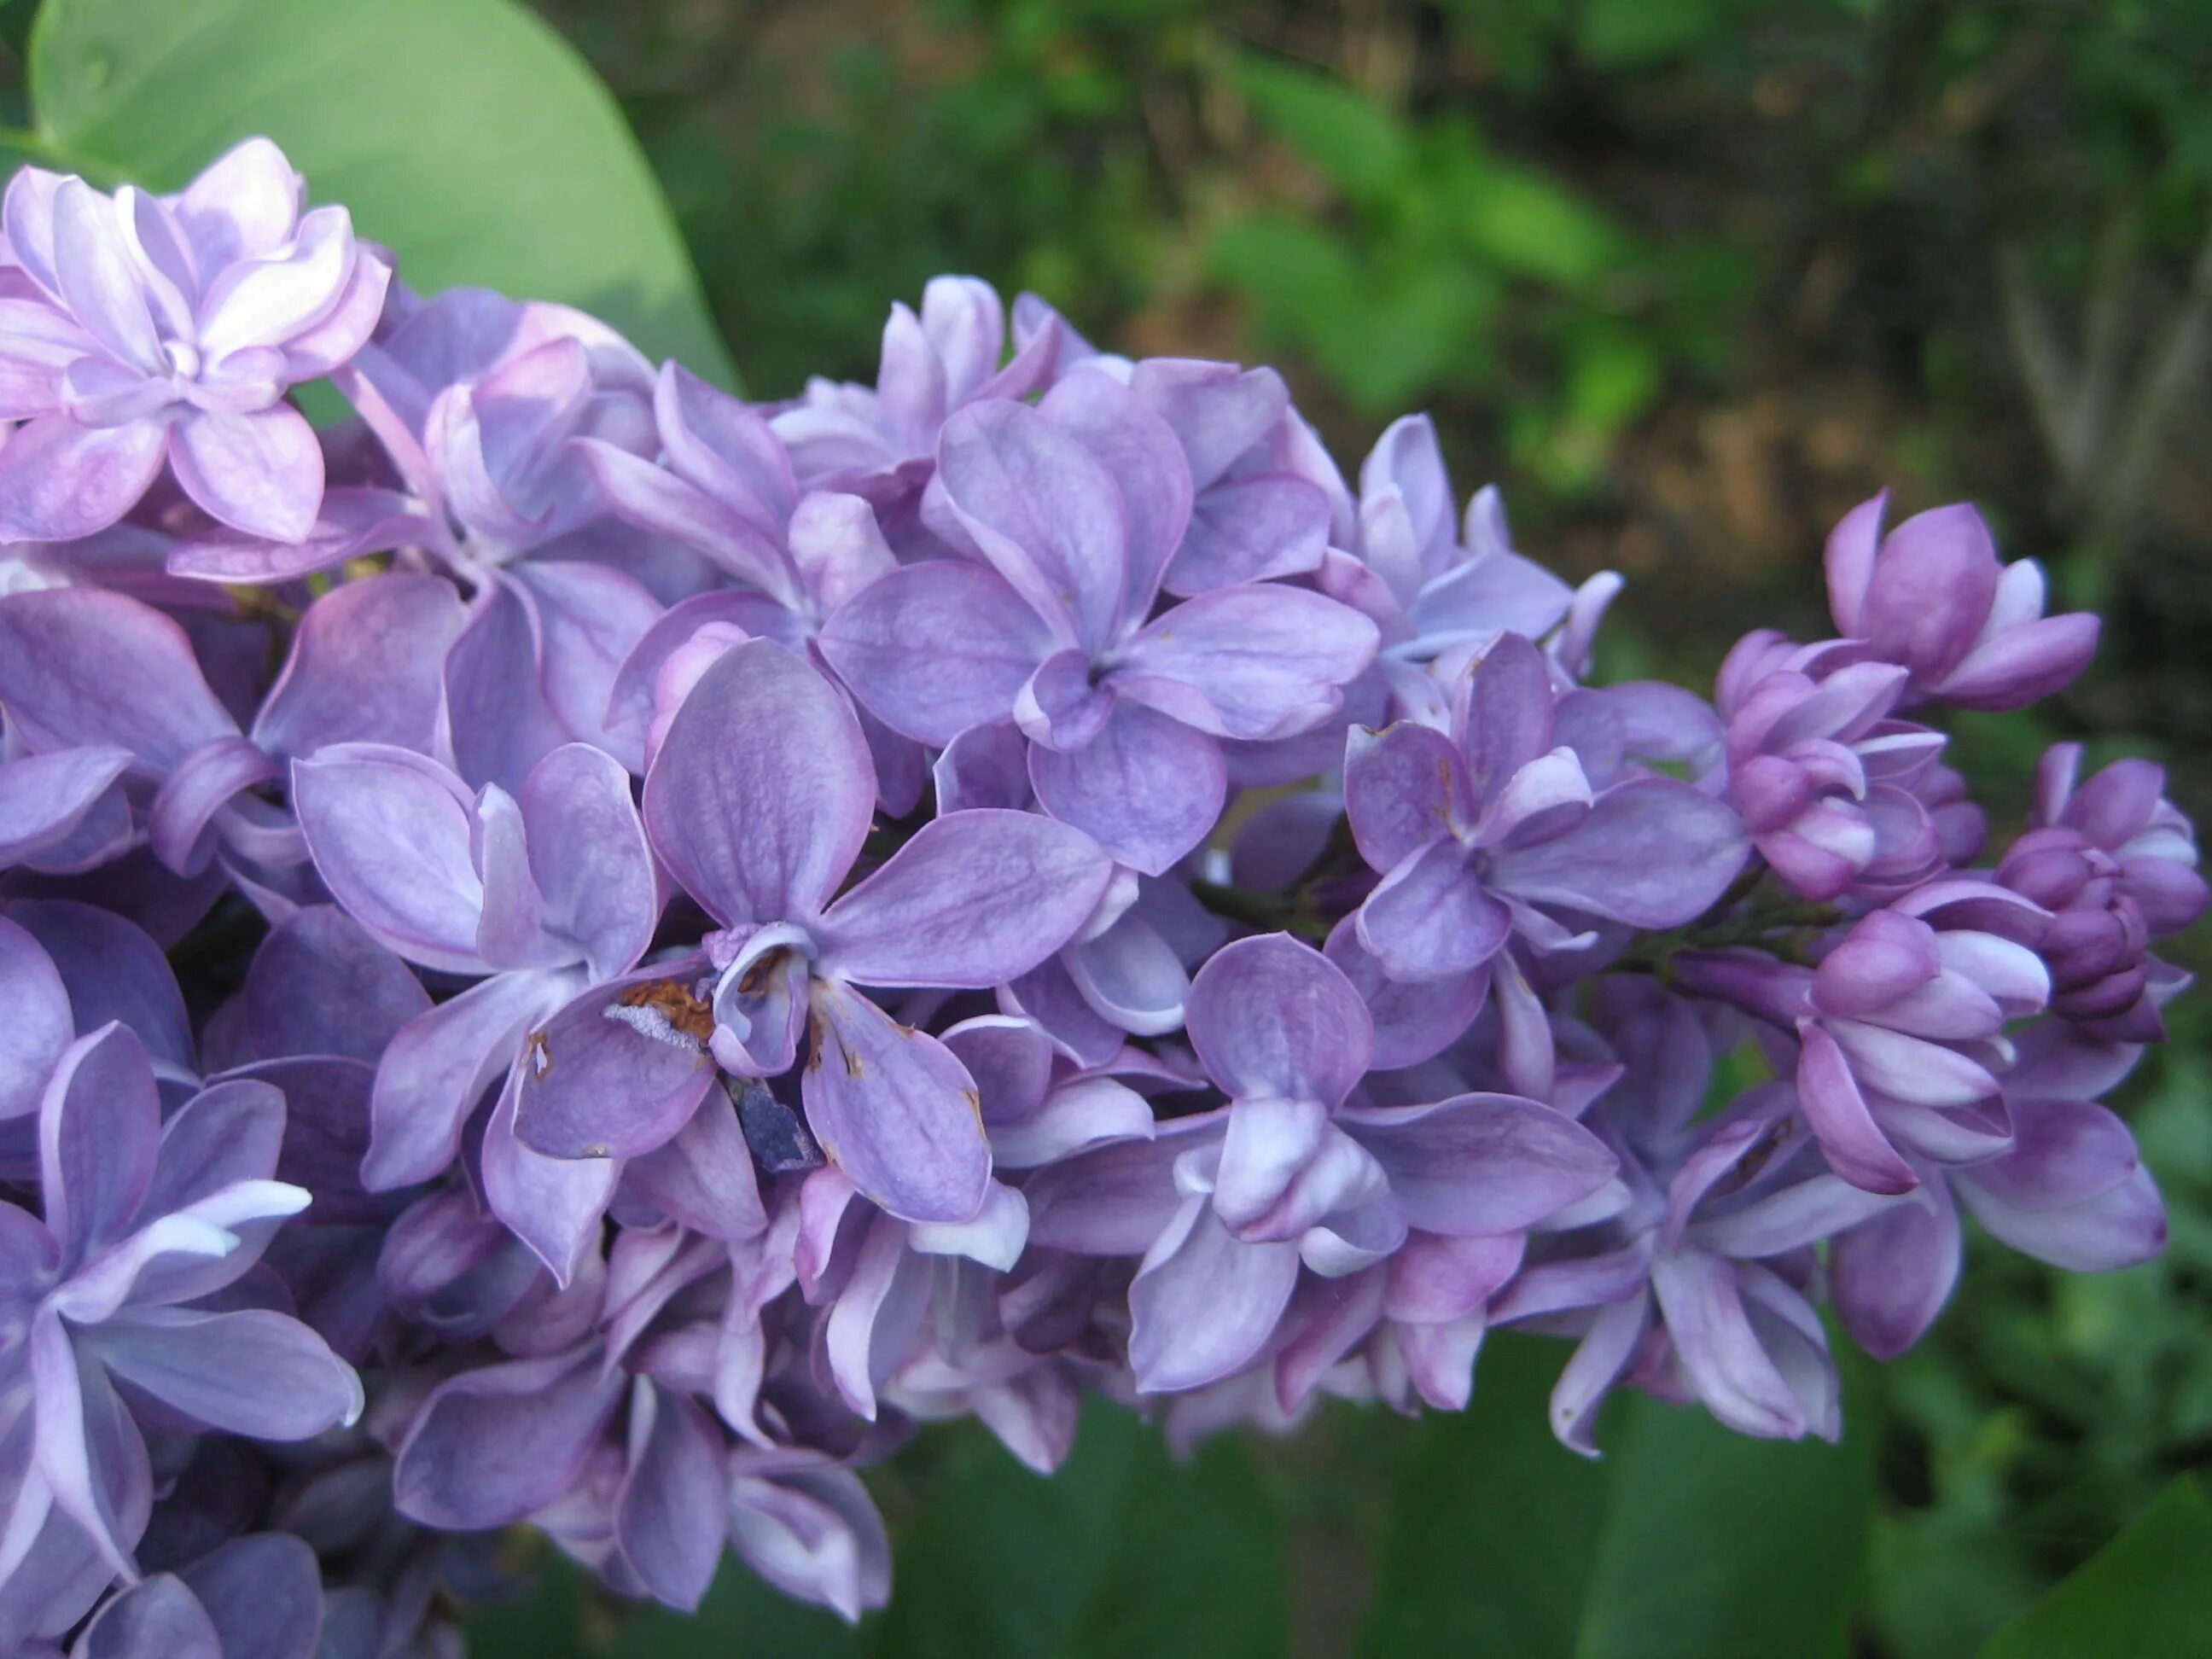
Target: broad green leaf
x: 1686, y: 1540
x: 1495, y: 1529
x: 464, y: 134
x: 1123, y: 1552
x: 1717, y: 1544
x: 1530, y: 226
x: 2148, y: 1591
x: 1631, y: 34
x: 1351, y: 138
x: 742, y: 1614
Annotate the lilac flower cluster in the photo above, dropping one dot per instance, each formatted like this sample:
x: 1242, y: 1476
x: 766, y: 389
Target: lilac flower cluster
x: 579, y: 950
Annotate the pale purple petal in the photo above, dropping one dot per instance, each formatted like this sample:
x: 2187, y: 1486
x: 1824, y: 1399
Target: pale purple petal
x: 761, y: 795
x: 1271, y: 1017
x: 261, y: 473
x: 588, y: 852
x: 1431, y: 918
x: 437, y: 1069
x: 1032, y: 499
x: 365, y: 666
x: 38, y: 1028
x: 1653, y: 853
x: 936, y: 647
x: 390, y: 832
x: 1254, y: 661
x: 99, y: 1127
x: 1148, y: 789
x: 895, y: 1110
x: 250, y: 1373
x: 973, y: 899
x: 596, y: 1087
x: 1203, y: 1305
x: 1404, y: 788
x: 1140, y: 451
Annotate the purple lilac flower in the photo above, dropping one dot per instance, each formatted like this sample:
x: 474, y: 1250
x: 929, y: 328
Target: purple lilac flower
x: 1069, y: 513
x: 1474, y: 829
x: 758, y: 804
x: 170, y: 328
x: 1931, y: 597
x: 1899, y: 1028
x: 2115, y: 862
x: 143, y: 1219
x: 1821, y: 774
x: 953, y: 699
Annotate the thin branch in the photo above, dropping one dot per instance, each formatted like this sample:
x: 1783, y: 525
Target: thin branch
x: 2039, y: 357
x: 2171, y: 370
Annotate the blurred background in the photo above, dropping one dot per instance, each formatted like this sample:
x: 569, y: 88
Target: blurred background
x: 1689, y: 278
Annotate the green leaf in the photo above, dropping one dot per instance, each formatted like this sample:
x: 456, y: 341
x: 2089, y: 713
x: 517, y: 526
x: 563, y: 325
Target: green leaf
x: 1686, y: 1540
x: 742, y: 1614
x: 2148, y: 1591
x: 464, y: 134
x: 1352, y: 139
x: 1530, y: 226
x: 1631, y: 34
x: 1122, y: 1552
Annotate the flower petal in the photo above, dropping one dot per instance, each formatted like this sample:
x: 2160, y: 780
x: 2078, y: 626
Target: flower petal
x: 895, y: 1110
x: 759, y: 796
x: 1148, y: 789
x: 261, y: 473
x: 972, y: 901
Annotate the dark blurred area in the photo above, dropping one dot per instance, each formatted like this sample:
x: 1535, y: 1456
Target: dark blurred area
x: 1689, y: 278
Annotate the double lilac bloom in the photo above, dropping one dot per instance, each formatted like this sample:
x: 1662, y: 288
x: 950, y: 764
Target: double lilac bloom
x: 136, y: 328
x: 714, y: 933
x: 1069, y: 513
x: 759, y: 803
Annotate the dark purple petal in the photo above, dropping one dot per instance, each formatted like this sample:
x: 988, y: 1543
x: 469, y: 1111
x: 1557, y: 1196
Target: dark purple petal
x: 672, y: 1509
x: 1481, y: 1164
x: 491, y: 1445
x: 82, y: 667
x: 263, y: 1593
x: 156, y: 1616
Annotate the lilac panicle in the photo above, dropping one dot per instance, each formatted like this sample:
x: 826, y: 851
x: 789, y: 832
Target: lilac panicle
x: 714, y: 933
